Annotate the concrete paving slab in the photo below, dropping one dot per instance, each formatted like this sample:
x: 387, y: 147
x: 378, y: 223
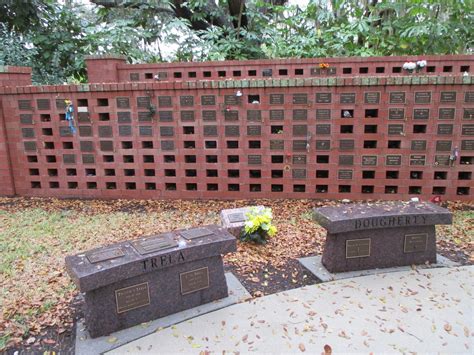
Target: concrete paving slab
x: 420, y: 311
x: 316, y: 267
x: 88, y: 346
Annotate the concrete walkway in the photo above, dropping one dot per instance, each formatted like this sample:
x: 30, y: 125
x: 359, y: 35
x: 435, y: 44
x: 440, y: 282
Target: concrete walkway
x: 422, y: 311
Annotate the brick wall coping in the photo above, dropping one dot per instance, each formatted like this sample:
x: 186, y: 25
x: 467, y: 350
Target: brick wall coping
x: 104, y: 56
x: 332, y: 60
x: 247, y: 83
x: 13, y: 69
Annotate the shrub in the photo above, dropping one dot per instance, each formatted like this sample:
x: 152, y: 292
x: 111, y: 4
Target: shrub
x: 258, y: 226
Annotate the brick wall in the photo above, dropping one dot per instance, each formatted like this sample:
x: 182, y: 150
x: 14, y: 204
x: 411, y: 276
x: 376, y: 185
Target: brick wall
x: 317, y: 136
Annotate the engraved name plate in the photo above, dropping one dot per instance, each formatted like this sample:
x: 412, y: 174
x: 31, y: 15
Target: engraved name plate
x: 154, y: 244
x: 124, y: 117
x: 231, y: 115
x: 396, y: 114
x: 417, y: 159
x: 277, y: 144
x: 467, y: 130
x: 467, y: 145
x: 208, y: 115
x: 397, y: 97
x: 300, y: 130
x: 418, y: 145
x: 300, y: 99
x: 254, y: 130
x: 123, y: 102
x: 421, y: 114
x: 442, y: 160
x: 395, y: 129
x: 323, y: 114
x: 347, y: 98
x: 134, y: 77
x: 468, y: 114
x: 469, y: 96
x: 346, y: 160
x: 344, y: 174
x: 443, y: 146
x: 323, y: 98
x: 371, y: 97
x: 323, y: 144
x: 415, y: 243
x: 299, y: 159
x: 277, y: 115
x: 448, y: 96
x: 346, y: 144
x: 277, y: 99
x: 357, y: 248
x: 323, y: 129
x: 254, y: 159
x: 208, y: 100
x: 393, y: 160
x: 24, y: 105
x: 132, y: 297
x: 165, y: 116
x: 446, y: 113
x: 369, y: 160
x: 210, y: 131
x: 236, y: 217
x: 422, y: 97
x: 298, y: 173
x: 196, y: 233
x: 104, y: 254
x: 299, y: 145
x: 445, y: 129
x: 143, y: 102
x: 164, y: 101
x: 300, y: 115
x: 43, y: 104
x: 231, y: 100
x: 232, y: 131
x: 187, y: 116
x: 186, y: 100
x: 194, y: 280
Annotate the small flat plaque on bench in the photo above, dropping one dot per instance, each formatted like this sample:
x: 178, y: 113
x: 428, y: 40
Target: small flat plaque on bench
x: 150, y: 245
x: 236, y: 217
x: 415, y: 243
x: 194, y: 280
x: 132, y: 297
x: 357, y: 248
x: 105, y: 254
x: 196, y: 233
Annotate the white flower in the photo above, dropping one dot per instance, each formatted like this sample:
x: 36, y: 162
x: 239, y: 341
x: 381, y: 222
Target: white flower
x: 409, y: 66
x: 249, y: 224
x: 421, y: 63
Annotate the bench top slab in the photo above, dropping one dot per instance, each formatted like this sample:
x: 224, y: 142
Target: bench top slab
x: 360, y: 216
x: 106, y: 265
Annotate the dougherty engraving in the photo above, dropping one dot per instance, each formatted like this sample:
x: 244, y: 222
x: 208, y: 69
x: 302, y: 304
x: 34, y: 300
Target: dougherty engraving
x: 194, y: 280
x: 415, y: 243
x: 394, y: 221
x: 132, y: 297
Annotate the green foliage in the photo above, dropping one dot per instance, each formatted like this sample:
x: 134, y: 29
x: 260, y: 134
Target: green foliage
x: 258, y: 226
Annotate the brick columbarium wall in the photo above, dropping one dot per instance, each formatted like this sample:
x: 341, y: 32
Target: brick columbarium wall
x: 362, y: 129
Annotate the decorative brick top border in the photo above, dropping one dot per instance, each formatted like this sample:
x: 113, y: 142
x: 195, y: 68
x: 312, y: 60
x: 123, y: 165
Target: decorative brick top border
x: 14, y: 70
x: 258, y: 83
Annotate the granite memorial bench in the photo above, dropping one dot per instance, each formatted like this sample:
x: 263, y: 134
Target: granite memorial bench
x: 136, y: 281
x: 368, y: 236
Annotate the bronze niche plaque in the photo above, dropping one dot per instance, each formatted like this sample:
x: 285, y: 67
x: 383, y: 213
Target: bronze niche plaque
x: 277, y: 144
x: 467, y: 145
x: 467, y: 130
x: 134, y: 77
x: 469, y: 96
x: 232, y: 131
x: 208, y: 115
x: 393, y: 160
x: 207, y: 100
x: 448, y: 96
x: 24, y: 105
x: 165, y: 116
x: 26, y: 119
x: 300, y: 99
x: 346, y: 160
x: 123, y: 102
x: 236, y: 217
x: 187, y: 100
x: 277, y: 115
x: 299, y: 159
x: 231, y: 115
x: 323, y: 144
x: 357, y: 248
x: 299, y: 145
x: 298, y: 173
x: 442, y: 160
x: 323, y: 98
x: 231, y: 100
x: 443, y: 146
x: 143, y: 102
x: 445, y: 129
x: 194, y: 280
x: 415, y: 243
x: 99, y: 256
x: 187, y: 116
x: 346, y: 144
x: 396, y: 114
x: 300, y: 115
x: 397, y: 97
x: 421, y: 113
x: 323, y: 129
x: 254, y: 159
x: 144, y: 116
x: 323, y: 114
x: 468, y: 114
x: 446, y: 113
x: 300, y: 130
x: 132, y: 297
x: 105, y: 131
x: 422, y: 97
x: 344, y: 174
x: 254, y: 130
x: 254, y: 115
x: 196, y: 233
x: 125, y: 131
x: 210, y: 131
x: 277, y: 99
x: 417, y: 159
x: 43, y: 104
x: 347, y: 98
x: 145, y: 131
x: 369, y: 160
x: 371, y: 97
x: 418, y: 145
x: 124, y: 117
x: 395, y: 129
x: 164, y: 101
x: 154, y: 244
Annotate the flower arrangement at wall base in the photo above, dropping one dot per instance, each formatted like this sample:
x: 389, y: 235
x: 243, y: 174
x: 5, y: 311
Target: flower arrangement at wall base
x: 258, y: 226
x: 410, y: 67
